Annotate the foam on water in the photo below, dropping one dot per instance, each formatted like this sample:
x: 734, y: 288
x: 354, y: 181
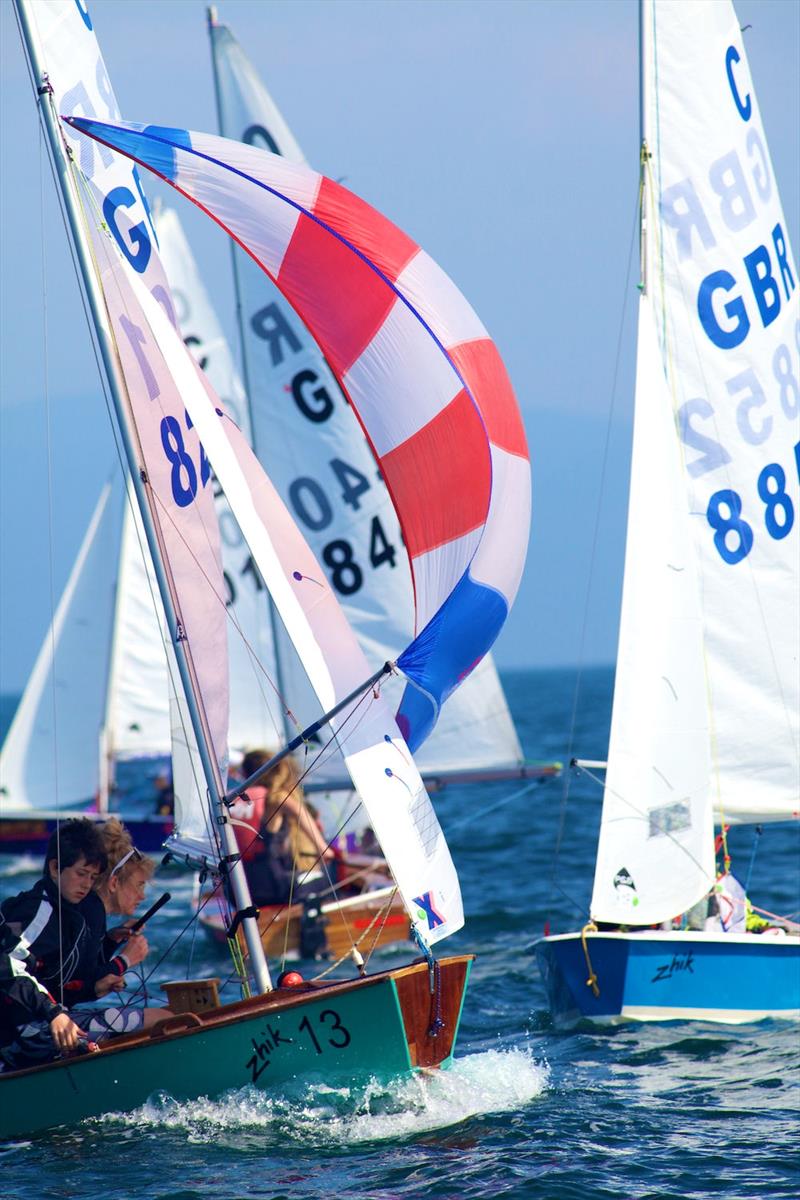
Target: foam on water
x: 490, y: 1082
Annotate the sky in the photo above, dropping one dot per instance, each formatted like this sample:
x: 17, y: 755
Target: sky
x: 502, y: 136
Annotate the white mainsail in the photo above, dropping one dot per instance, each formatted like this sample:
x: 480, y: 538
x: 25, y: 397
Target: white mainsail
x: 656, y: 851
x: 64, y: 40
x: 48, y: 759
x: 722, y: 293
x: 724, y: 287
x: 312, y: 447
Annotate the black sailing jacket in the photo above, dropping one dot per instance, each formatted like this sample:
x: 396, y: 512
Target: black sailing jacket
x: 65, y: 941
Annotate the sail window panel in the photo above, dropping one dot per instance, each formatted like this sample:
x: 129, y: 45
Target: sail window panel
x: 401, y: 381
x: 500, y: 559
x: 440, y: 479
x: 341, y: 299
x: 483, y: 372
x: 432, y: 293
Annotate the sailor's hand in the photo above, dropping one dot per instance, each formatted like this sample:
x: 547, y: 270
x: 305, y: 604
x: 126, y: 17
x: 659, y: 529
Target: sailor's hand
x: 136, y: 948
x: 109, y: 983
x: 65, y: 1032
x: 120, y: 933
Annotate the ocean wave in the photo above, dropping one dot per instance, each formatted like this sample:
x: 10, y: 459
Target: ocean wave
x: 321, y: 1116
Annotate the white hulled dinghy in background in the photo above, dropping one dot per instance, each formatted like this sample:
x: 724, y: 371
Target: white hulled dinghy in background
x: 424, y: 376
x: 705, y: 715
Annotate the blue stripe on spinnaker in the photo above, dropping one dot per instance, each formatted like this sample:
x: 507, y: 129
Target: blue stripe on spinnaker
x: 448, y: 648
x: 153, y: 145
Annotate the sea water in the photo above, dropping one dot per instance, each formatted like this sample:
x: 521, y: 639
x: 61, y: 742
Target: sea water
x: 656, y: 1111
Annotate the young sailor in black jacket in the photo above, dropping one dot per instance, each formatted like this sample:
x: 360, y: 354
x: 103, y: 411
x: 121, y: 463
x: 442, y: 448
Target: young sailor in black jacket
x: 33, y: 1028
x: 61, y: 922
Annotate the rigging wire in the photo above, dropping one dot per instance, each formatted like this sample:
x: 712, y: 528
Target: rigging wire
x: 218, y: 893
x: 592, y: 559
x: 48, y: 444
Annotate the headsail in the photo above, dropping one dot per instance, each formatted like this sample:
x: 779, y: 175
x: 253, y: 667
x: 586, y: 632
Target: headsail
x: 321, y: 463
x: 416, y: 364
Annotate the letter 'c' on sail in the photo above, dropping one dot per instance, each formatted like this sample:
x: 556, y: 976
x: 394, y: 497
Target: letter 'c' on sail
x: 423, y: 376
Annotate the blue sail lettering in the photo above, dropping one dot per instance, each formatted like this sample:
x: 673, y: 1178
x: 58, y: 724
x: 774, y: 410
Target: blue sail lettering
x: 727, y: 179
x: 726, y: 339
x: 84, y: 11
x: 143, y: 198
x: 760, y: 172
x: 744, y: 106
x: 682, y: 211
x: 759, y: 268
x: 782, y: 255
x: 140, y: 248
x: 75, y: 101
x: 763, y: 277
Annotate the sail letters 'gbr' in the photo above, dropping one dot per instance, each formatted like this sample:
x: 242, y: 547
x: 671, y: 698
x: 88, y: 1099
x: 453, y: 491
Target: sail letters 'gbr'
x: 421, y: 373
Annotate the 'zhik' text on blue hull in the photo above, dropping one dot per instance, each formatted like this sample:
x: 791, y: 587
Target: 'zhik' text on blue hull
x: 671, y: 975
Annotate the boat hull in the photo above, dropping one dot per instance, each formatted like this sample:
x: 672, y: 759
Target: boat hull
x: 361, y: 921
x: 372, y: 1028
x: 671, y: 975
x: 30, y: 834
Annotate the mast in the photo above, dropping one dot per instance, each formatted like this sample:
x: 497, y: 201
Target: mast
x: 105, y: 340
x: 211, y: 15
x: 645, y: 16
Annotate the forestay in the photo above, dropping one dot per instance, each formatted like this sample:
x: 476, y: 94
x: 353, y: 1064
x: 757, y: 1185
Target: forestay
x: 418, y: 367
x: 723, y: 284
x: 308, y: 440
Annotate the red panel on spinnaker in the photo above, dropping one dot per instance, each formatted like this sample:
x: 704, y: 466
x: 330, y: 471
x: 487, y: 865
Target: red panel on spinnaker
x: 418, y: 367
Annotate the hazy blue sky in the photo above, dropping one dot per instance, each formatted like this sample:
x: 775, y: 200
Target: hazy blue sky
x: 502, y: 136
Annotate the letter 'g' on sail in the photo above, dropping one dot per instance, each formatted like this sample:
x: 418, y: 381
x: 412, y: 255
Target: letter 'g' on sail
x: 418, y: 367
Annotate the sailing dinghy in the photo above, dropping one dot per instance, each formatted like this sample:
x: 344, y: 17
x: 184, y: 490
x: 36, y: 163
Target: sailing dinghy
x: 705, y: 714
x: 424, y: 378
